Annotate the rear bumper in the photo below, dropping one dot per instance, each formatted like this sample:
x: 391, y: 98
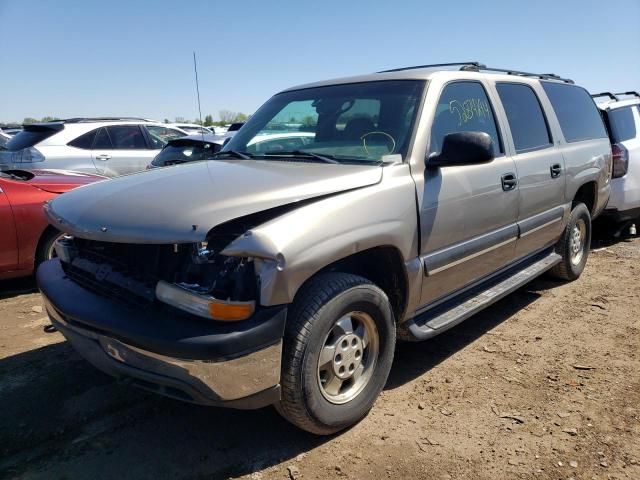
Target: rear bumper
x: 158, y: 348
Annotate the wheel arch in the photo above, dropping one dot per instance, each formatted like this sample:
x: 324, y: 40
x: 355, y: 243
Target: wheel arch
x: 382, y: 265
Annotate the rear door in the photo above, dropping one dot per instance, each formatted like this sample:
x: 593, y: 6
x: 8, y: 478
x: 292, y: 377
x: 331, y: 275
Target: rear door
x: 467, y: 213
x: 539, y: 165
x: 8, y: 239
x: 121, y: 149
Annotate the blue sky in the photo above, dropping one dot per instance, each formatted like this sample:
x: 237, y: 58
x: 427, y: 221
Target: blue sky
x: 120, y: 57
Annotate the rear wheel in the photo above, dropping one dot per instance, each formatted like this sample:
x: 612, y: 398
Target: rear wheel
x: 338, y: 349
x: 574, y: 244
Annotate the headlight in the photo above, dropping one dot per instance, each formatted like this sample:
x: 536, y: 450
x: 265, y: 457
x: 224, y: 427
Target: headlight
x: 204, y: 306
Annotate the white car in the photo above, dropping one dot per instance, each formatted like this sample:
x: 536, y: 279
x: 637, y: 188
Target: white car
x: 193, y: 128
x: 106, y: 146
x: 622, y: 117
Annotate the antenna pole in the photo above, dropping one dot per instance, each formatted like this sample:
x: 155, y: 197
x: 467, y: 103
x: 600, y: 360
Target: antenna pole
x: 195, y: 69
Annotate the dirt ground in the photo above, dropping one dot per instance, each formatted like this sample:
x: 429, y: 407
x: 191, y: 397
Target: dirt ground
x: 544, y: 385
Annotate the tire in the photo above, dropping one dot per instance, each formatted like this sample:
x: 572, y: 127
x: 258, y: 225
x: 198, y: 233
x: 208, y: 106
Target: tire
x: 574, y: 260
x: 45, y: 250
x: 316, y: 324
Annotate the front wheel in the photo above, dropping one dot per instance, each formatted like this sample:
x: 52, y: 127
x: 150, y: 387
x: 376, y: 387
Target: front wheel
x: 46, y: 246
x: 338, y: 349
x: 574, y: 244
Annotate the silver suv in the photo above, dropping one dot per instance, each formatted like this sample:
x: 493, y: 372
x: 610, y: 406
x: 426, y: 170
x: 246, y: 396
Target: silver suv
x: 107, y: 146
x: 284, y: 277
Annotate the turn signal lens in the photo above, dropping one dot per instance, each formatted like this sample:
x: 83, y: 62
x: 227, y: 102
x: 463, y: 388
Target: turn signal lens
x: 203, y: 305
x: 231, y: 311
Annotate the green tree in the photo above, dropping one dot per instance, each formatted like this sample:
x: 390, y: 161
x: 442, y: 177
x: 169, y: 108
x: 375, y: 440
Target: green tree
x: 166, y: 120
x: 208, y: 120
x: 29, y: 120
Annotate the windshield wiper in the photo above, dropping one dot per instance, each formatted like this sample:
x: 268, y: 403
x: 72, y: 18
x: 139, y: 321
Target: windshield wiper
x: 302, y: 153
x: 233, y: 153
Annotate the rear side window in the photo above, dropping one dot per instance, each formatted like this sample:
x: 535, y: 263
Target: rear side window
x: 622, y: 125
x: 84, y: 141
x: 102, y: 141
x: 32, y: 135
x: 577, y: 113
x: 526, y: 119
x: 127, y: 137
x: 463, y: 107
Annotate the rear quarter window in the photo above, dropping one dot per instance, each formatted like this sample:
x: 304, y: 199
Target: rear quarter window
x: 622, y: 125
x: 576, y: 111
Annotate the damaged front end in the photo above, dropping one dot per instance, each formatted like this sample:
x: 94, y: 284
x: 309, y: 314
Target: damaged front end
x: 192, y: 277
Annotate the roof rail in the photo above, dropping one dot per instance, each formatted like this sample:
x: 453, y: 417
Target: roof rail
x: 104, y: 119
x: 477, y: 67
x: 604, y: 94
x: 632, y: 93
x: 541, y: 76
x: 464, y: 66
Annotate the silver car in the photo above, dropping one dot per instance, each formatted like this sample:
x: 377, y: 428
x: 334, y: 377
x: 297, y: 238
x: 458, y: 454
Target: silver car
x: 107, y: 146
x: 284, y: 277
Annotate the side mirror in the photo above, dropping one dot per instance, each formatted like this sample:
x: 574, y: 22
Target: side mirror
x: 463, y: 148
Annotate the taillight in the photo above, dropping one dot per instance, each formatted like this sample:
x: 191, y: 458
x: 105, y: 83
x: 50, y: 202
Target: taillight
x: 620, y: 160
x: 26, y: 155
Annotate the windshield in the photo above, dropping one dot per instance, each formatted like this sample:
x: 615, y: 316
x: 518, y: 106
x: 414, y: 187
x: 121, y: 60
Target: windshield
x: 359, y: 122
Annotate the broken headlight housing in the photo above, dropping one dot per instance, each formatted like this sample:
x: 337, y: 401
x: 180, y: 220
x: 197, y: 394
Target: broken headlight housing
x: 212, y: 286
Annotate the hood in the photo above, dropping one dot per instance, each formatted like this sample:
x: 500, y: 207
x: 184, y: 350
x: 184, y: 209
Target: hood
x: 56, y: 181
x: 181, y: 204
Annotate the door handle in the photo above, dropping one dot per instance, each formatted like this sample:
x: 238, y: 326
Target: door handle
x: 556, y: 170
x: 509, y: 181
x: 103, y: 156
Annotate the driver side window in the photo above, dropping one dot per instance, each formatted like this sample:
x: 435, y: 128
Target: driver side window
x: 463, y: 107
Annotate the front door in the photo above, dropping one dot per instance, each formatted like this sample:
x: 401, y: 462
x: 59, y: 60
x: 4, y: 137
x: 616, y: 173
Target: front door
x: 467, y: 213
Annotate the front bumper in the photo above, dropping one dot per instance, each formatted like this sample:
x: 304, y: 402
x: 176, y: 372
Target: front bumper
x: 233, y: 364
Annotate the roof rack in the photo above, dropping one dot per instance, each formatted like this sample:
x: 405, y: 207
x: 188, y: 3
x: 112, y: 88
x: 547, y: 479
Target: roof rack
x: 604, y: 94
x: 477, y: 67
x: 464, y: 66
x: 632, y: 93
x: 103, y: 119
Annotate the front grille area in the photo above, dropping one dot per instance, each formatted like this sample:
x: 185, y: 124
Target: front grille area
x: 127, y: 273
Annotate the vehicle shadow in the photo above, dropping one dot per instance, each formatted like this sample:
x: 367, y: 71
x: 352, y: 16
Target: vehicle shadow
x: 415, y: 359
x: 17, y: 286
x: 62, y: 418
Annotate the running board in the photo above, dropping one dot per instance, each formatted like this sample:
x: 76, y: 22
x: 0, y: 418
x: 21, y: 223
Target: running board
x: 443, y: 317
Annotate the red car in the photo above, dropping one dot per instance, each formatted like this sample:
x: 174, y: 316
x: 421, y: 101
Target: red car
x: 26, y: 238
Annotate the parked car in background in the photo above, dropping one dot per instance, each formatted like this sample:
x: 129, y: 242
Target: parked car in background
x: 11, y: 131
x: 192, y: 128
x: 228, y: 131
x: 421, y: 196
x: 106, y: 146
x: 273, y: 142
x: 622, y: 117
x: 26, y: 239
x: 4, y: 139
x: 187, y: 149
